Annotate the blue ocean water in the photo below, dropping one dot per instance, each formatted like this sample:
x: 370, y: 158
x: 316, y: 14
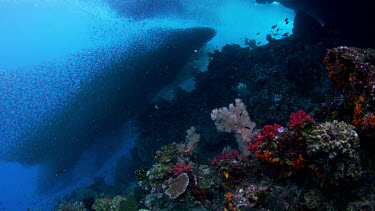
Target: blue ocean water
x: 59, y: 65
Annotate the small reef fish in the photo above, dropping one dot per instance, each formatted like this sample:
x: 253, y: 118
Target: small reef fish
x: 60, y: 172
x: 226, y: 175
x: 286, y: 21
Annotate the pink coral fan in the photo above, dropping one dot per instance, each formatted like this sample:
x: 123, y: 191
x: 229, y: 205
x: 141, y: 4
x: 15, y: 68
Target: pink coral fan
x: 191, y: 139
x: 235, y: 119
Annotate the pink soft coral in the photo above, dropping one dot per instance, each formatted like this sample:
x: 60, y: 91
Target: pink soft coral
x: 235, y: 119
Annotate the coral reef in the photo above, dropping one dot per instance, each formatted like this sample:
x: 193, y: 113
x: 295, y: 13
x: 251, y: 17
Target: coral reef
x: 294, y: 160
x: 323, y: 156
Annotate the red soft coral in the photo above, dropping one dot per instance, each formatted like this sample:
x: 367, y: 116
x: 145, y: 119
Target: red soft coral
x: 298, y: 120
x: 181, y: 168
x: 268, y: 133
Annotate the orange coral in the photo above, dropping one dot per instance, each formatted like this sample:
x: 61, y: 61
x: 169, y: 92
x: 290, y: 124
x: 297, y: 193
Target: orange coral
x: 231, y: 207
x: 319, y: 174
x: 353, y: 77
x: 338, y: 71
x: 264, y: 155
x: 274, y: 160
x: 360, y: 121
x: 357, y: 118
x: 351, y: 98
x: 335, y: 74
x: 228, y: 199
x: 298, y: 164
x: 370, y: 119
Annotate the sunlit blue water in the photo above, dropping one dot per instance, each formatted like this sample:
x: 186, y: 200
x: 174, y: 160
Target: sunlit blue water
x: 52, y: 50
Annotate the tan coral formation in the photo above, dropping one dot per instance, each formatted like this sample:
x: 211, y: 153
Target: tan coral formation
x: 335, y: 143
x: 333, y: 138
x: 177, y: 186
